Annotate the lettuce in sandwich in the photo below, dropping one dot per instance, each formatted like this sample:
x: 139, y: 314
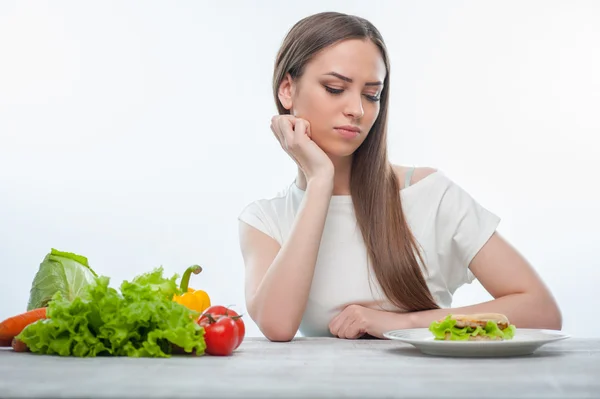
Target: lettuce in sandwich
x: 474, y: 327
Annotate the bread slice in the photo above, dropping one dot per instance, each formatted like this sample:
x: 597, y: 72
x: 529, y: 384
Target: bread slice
x: 477, y: 338
x: 480, y: 320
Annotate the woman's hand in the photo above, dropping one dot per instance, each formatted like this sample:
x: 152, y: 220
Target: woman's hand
x: 294, y: 136
x: 355, y: 321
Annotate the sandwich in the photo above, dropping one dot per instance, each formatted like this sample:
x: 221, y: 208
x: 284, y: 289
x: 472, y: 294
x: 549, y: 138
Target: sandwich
x: 473, y: 327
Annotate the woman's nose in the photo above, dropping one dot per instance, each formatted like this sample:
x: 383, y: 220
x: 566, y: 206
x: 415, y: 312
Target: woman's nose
x: 354, y: 107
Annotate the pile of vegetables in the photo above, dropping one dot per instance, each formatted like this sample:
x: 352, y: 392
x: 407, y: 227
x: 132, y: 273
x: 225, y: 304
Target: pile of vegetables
x: 73, y: 312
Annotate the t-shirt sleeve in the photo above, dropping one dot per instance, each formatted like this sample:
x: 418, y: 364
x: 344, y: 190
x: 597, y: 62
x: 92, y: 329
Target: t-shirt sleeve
x: 258, y: 216
x: 464, y: 225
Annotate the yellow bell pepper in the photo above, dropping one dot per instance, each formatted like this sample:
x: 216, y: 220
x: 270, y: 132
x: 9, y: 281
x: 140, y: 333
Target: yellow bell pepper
x: 196, y: 300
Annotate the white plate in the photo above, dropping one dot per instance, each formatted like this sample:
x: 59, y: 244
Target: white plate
x: 525, y: 342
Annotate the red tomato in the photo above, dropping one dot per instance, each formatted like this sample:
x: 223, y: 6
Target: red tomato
x: 220, y: 335
x: 218, y: 310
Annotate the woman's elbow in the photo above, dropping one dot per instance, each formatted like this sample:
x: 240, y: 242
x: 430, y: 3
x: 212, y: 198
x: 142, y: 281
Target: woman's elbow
x: 556, y: 320
x: 553, y: 315
x: 275, y: 330
x: 278, y: 336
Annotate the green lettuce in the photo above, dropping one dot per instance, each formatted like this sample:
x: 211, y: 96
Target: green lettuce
x: 63, y: 272
x: 439, y: 330
x: 141, y: 320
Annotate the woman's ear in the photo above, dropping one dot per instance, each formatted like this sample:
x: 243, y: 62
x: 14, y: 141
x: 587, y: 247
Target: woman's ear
x: 286, y: 92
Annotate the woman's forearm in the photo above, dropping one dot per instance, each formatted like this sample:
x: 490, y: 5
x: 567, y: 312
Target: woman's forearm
x: 524, y: 310
x: 281, y: 297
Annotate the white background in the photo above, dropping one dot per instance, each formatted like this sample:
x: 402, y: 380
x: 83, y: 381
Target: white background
x: 135, y: 132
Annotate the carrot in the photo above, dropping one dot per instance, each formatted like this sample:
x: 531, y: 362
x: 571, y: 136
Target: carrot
x: 19, y: 346
x: 13, y: 326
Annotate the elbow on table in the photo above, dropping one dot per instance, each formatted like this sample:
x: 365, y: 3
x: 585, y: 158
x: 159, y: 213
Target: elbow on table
x: 274, y: 328
x: 277, y: 332
x: 278, y: 336
x: 552, y: 318
x: 555, y: 318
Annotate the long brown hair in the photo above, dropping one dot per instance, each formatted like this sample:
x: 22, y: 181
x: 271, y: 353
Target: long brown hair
x: 374, y: 186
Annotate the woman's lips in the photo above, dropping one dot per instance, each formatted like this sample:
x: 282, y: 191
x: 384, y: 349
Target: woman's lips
x: 348, y: 132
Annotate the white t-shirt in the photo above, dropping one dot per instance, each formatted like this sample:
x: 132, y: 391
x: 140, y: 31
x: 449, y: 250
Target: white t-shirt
x: 448, y: 224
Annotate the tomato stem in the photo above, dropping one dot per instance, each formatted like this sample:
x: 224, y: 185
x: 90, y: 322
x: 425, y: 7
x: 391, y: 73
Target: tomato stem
x: 185, y: 279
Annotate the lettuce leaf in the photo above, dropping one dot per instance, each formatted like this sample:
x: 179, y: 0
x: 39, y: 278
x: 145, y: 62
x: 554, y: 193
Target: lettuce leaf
x: 439, y: 330
x: 63, y: 272
x: 139, y: 321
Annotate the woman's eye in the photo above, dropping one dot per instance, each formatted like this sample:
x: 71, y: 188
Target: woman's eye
x: 373, y: 99
x: 333, y: 91
x: 369, y: 97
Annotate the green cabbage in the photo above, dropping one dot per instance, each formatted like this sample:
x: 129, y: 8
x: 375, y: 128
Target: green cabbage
x: 141, y: 320
x: 62, y: 272
x: 439, y: 330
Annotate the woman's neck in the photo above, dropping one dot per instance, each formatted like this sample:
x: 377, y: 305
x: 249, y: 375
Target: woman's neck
x: 341, y: 179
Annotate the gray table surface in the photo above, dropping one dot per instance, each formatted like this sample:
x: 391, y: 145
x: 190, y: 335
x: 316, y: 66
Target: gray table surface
x: 311, y: 367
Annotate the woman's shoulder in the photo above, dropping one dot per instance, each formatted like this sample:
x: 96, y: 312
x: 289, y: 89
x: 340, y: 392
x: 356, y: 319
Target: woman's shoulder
x: 268, y: 214
x: 410, y: 175
x: 272, y: 202
x: 431, y: 188
x: 273, y: 207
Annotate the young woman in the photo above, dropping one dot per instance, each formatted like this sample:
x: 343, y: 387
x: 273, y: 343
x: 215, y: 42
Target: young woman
x: 356, y: 245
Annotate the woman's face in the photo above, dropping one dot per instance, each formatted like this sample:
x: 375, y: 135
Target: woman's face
x: 338, y: 94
